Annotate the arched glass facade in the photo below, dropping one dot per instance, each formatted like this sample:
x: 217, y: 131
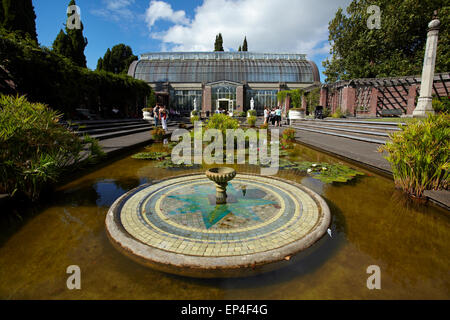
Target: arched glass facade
x: 207, y: 67
x: 217, y: 78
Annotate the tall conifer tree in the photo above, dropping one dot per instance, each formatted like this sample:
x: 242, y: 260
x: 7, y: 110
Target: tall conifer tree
x: 19, y: 16
x: 245, y: 45
x: 72, y: 43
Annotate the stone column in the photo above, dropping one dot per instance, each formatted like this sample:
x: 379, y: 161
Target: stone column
x: 424, y: 105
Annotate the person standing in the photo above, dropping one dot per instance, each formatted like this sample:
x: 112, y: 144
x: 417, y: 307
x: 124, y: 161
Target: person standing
x: 272, y: 116
x: 163, y: 117
x: 278, y: 116
x: 156, y: 115
x: 266, y: 115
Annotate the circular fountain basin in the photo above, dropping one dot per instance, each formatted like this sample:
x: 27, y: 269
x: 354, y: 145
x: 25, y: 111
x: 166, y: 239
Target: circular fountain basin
x: 175, y: 225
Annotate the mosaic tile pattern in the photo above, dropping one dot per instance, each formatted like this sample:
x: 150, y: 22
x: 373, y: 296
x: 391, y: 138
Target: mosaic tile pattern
x: 179, y: 216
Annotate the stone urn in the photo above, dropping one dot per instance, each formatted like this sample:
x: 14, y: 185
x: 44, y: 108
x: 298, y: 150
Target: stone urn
x: 297, y: 114
x: 221, y: 176
x: 146, y: 115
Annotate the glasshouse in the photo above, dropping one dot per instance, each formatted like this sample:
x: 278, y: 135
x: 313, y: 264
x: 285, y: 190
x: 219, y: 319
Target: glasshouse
x: 209, y: 81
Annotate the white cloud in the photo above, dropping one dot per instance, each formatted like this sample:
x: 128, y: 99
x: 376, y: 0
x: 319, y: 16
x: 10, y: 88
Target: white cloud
x: 116, y: 10
x: 298, y: 26
x: 160, y: 10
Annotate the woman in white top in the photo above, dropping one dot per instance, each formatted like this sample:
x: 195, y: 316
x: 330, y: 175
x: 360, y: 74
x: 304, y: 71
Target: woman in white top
x: 266, y: 115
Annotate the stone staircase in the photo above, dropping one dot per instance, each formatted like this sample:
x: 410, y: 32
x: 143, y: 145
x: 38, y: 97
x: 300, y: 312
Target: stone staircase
x: 108, y: 129
x: 367, y: 131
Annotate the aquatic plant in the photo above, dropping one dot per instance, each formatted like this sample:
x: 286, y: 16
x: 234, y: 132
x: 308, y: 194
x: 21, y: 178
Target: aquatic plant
x: 325, y: 172
x: 168, y: 164
x: 419, y: 155
x: 151, y: 155
x: 158, y: 134
x: 289, y: 135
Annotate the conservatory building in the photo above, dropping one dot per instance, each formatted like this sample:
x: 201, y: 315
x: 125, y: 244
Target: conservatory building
x: 223, y: 80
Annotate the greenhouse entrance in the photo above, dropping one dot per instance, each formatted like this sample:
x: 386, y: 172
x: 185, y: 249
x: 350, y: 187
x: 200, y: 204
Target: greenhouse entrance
x: 224, y: 104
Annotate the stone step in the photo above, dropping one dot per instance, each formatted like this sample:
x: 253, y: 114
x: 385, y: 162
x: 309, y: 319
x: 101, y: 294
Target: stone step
x: 321, y: 126
x: 359, y: 137
x: 354, y: 125
x: 115, y: 134
x: 113, y: 129
x: 84, y: 127
x: 377, y: 123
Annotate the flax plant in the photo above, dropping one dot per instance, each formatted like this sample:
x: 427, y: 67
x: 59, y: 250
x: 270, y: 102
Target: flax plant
x: 419, y: 155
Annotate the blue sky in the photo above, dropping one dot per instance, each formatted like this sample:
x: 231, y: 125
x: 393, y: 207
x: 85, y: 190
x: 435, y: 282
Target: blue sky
x: 191, y: 25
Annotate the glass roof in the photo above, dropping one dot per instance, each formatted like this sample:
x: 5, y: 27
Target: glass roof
x: 221, y: 56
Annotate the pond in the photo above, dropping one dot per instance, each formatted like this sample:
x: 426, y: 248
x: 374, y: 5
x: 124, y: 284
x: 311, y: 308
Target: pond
x: 372, y: 224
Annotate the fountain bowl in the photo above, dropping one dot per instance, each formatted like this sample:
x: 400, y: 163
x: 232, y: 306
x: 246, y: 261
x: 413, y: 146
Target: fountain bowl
x: 221, y: 175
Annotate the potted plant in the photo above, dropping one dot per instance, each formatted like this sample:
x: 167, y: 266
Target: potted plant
x: 147, y: 114
x: 194, y: 113
x: 297, y: 114
x: 158, y: 134
x: 251, y: 121
x: 251, y: 113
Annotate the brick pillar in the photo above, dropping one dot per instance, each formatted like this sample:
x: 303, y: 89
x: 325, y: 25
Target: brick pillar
x: 239, y: 99
x: 304, y: 104
x: 348, y: 100
x: 412, y: 93
x: 207, y: 101
x: 373, y: 102
x: 287, y: 103
x: 323, y: 97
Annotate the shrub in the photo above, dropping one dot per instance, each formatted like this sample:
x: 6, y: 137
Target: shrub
x: 419, y: 155
x: 147, y: 110
x: 35, y: 149
x: 222, y: 122
x: 441, y: 106
x: 252, y: 113
x: 195, y: 119
x: 251, y: 121
x: 158, y: 134
x: 194, y: 113
x: 289, y: 135
x: 338, y: 114
x: 264, y: 126
x: 47, y: 77
x: 242, y: 114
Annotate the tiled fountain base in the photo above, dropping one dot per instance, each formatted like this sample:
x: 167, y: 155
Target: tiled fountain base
x: 175, y: 226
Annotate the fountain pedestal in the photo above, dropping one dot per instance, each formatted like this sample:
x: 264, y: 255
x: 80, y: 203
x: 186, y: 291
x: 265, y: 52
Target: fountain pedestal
x: 221, y: 177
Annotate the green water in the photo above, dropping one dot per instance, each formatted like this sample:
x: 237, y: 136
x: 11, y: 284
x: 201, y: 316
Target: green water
x: 373, y: 224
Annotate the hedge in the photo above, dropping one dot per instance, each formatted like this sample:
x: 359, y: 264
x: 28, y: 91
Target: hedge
x: 47, y: 77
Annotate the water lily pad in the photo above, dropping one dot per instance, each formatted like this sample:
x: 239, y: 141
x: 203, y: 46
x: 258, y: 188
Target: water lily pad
x: 151, y: 155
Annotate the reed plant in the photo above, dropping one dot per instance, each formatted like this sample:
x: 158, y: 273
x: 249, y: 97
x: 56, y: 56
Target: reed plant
x: 419, y: 155
x: 35, y: 148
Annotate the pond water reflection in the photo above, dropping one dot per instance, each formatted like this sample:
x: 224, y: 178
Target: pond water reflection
x: 373, y: 224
